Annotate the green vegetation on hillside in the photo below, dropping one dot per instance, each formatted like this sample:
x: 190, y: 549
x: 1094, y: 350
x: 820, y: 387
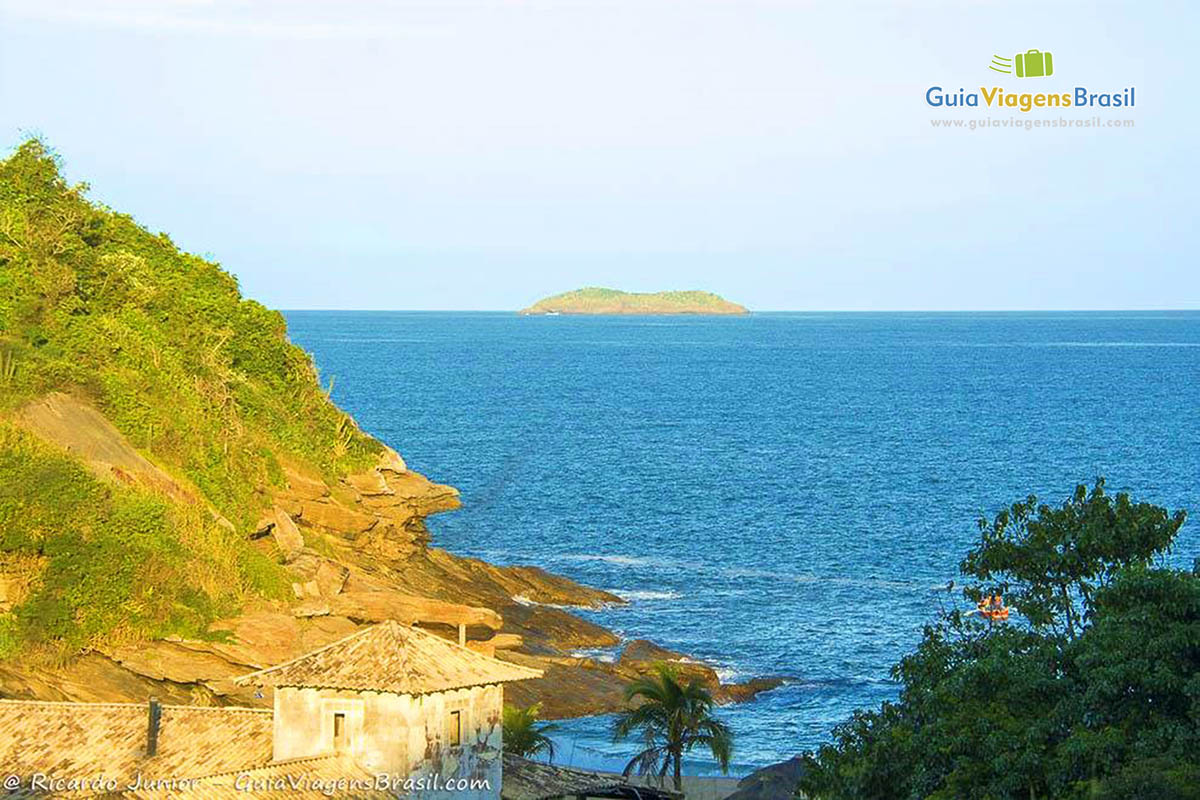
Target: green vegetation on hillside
x: 109, y: 563
x: 612, y: 301
x: 201, y: 380
x: 1092, y: 693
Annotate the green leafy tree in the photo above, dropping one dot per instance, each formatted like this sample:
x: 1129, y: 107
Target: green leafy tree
x: 672, y: 719
x: 1139, y: 690
x: 1096, y: 694
x: 1049, y: 562
x: 524, y: 736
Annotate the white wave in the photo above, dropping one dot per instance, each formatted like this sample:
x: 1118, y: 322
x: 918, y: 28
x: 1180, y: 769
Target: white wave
x: 730, y: 674
x: 633, y: 596
x: 522, y: 600
x: 626, y: 561
x: 606, y: 654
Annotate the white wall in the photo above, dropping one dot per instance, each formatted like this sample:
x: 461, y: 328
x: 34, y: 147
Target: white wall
x: 403, y: 736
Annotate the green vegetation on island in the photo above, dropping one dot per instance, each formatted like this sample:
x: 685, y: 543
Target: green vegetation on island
x: 1090, y: 692
x: 612, y: 301
x: 201, y: 381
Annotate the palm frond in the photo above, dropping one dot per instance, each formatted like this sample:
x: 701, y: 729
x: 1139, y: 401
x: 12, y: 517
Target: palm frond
x: 523, y: 736
x: 672, y: 718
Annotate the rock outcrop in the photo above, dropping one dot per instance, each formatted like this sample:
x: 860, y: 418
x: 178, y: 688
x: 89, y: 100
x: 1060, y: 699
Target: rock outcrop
x: 178, y: 401
x: 358, y: 552
x: 775, y: 782
x: 84, y: 432
x: 576, y: 686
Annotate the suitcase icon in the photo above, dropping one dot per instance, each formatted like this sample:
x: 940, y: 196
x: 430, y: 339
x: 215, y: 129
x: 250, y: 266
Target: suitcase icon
x: 1034, y: 64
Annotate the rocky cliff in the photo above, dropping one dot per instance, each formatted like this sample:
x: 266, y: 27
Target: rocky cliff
x: 356, y: 552
x: 181, y: 502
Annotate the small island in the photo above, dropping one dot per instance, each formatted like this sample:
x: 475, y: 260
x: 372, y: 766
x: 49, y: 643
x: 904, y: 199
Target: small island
x: 594, y: 300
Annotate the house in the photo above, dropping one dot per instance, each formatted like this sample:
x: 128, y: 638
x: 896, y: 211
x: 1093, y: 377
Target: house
x: 390, y: 710
x: 399, y: 701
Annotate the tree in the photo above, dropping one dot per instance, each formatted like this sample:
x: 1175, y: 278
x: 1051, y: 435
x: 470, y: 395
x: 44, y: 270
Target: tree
x: 1139, y: 662
x: 672, y: 718
x: 1049, y: 562
x: 523, y: 736
x: 1097, y: 698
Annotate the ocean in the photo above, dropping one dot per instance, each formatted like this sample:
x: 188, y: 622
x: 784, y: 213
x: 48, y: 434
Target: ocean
x: 778, y: 494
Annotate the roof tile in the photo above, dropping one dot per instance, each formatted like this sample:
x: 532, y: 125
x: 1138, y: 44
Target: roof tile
x: 391, y: 657
x: 93, y: 740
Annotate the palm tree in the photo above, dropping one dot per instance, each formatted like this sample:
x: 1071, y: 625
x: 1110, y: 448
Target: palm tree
x: 523, y: 736
x: 673, y: 718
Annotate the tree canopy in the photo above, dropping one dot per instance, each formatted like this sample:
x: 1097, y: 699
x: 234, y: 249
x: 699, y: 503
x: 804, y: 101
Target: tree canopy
x: 1092, y: 691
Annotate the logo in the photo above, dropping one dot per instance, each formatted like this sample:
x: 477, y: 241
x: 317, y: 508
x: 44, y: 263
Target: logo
x: 1049, y: 98
x: 1030, y: 64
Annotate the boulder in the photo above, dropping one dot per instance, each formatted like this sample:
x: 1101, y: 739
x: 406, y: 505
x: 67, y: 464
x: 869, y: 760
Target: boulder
x: 642, y: 657
x: 171, y: 661
x: 643, y: 651
x: 311, y: 608
x: 566, y: 689
x: 743, y: 692
x: 421, y: 495
x: 306, y: 590
x: 391, y: 461
x: 287, y: 535
x: 555, y: 629
x: 392, y: 542
x: 484, y: 648
x: 379, y: 606
x: 506, y: 641
x: 337, y: 518
x: 261, y: 638
x: 775, y: 782
x: 331, y: 578
x: 369, y: 483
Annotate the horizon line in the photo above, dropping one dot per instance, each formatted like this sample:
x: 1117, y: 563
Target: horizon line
x: 765, y: 311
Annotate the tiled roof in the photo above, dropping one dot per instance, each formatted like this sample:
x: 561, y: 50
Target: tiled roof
x: 391, y: 657
x: 317, y: 778
x: 534, y: 780
x: 77, y: 740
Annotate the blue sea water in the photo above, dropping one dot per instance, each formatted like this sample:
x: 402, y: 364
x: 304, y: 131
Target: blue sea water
x: 781, y: 494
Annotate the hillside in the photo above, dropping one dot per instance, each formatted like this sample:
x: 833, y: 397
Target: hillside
x: 181, y: 502
x: 612, y: 301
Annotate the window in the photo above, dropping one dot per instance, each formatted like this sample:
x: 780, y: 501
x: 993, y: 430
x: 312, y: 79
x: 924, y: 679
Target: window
x: 341, y: 724
x: 454, y: 736
x: 339, y: 732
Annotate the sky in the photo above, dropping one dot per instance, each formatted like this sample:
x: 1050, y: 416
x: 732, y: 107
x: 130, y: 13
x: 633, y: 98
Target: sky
x: 472, y: 154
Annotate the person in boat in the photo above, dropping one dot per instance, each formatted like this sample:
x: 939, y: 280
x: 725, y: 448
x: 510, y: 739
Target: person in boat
x: 993, y: 608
